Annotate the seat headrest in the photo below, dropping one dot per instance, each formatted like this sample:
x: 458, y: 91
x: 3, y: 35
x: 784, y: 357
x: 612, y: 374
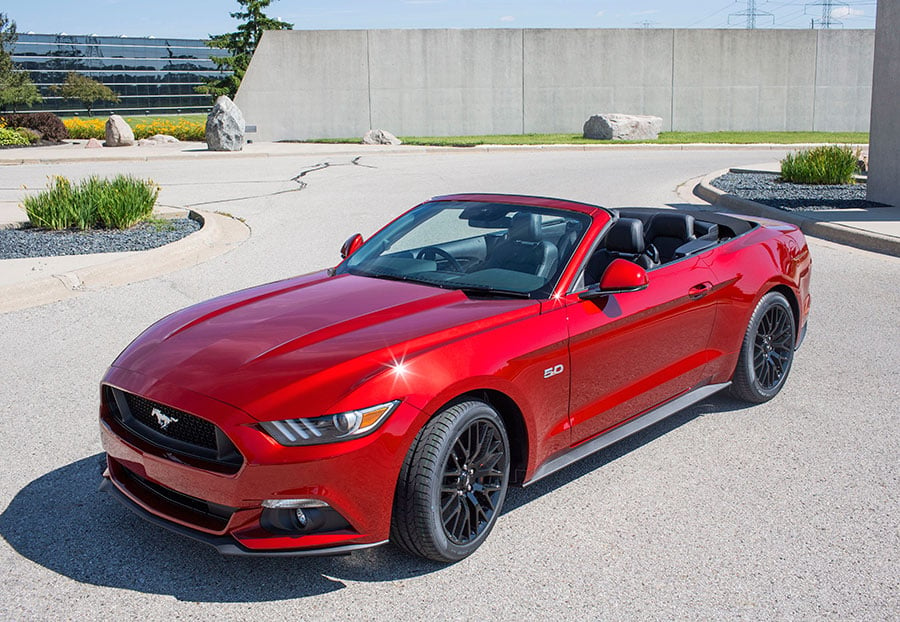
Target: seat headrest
x: 706, y: 229
x: 626, y: 236
x: 672, y: 225
x: 525, y: 227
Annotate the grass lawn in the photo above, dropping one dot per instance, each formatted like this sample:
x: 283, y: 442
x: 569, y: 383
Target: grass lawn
x: 665, y: 138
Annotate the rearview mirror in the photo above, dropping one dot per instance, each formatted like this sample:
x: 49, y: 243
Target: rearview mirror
x: 351, y: 245
x: 620, y: 277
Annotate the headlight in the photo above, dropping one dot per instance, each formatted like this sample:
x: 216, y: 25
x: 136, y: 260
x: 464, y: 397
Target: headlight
x: 329, y: 428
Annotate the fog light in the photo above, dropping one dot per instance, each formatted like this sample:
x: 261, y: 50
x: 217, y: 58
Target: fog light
x: 300, y: 517
x: 290, y: 504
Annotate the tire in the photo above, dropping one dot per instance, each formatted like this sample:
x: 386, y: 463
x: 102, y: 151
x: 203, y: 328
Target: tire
x: 452, y: 483
x: 767, y: 351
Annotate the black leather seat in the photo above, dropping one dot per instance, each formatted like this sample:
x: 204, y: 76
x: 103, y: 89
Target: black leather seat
x: 523, y: 250
x: 625, y: 240
x: 669, y: 231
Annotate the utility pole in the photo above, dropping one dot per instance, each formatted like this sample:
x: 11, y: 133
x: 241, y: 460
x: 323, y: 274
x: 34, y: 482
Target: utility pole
x: 751, y: 14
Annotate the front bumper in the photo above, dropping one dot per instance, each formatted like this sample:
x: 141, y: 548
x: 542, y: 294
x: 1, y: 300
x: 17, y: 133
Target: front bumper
x: 223, y: 509
x: 226, y: 545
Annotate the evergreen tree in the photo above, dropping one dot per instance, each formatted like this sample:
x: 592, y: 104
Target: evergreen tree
x: 241, y: 45
x: 16, y: 87
x: 85, y: 90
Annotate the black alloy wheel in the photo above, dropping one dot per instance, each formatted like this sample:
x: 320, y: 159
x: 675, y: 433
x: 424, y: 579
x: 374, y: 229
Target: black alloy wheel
x: 452, y: 483
x: 767, y: 351
x: 473, y: 480
x: 773, y: 347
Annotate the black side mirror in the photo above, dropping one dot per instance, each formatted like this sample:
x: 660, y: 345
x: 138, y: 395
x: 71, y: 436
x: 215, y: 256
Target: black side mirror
x: 351, y: 245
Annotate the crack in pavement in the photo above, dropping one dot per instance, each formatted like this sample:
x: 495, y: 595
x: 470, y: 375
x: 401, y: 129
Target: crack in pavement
x: 324, y: 165
x: 296, y: 178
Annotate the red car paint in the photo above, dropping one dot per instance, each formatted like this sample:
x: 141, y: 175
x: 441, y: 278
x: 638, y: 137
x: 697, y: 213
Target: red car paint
x: 566, y: 369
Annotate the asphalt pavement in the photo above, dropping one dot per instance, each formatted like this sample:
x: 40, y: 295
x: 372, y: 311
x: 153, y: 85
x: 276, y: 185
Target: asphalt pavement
x: 786, y: 510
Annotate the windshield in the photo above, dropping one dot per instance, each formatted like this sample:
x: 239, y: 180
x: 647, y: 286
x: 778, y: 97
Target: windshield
x: 489, y: 249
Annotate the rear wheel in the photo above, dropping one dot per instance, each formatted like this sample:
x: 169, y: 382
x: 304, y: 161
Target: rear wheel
x: 767, y: 351
x: 452, y: 484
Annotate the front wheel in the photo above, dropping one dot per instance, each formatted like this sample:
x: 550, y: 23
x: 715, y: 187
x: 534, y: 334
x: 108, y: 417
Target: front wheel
x: 767, y: 351
x: 452, y: 484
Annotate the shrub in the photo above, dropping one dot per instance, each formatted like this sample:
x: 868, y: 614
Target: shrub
x: 33, y: 136
x: 12, y: 136
x: 828, y: 164
x: 93, y: 203
x: 48, y: 124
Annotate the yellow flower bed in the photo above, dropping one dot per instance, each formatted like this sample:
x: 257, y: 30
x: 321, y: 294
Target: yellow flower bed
x: 182, y: 129
x: 85, y: 128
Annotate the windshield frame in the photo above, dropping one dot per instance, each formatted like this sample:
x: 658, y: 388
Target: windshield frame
x: 575, y: 224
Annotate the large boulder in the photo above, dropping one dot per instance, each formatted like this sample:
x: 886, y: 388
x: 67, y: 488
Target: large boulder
x: 118, y: 132
x: 380, y: 137
x: 225, y: 126
x: 613, y: 126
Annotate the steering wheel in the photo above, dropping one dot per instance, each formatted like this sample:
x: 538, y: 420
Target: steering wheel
x: 433, y: 252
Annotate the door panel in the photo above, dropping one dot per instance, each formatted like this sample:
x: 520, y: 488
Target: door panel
x: 633, y: 351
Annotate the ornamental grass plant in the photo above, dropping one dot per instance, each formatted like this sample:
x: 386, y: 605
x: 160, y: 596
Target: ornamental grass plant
x: 828, y: 164
x: 93, y: 203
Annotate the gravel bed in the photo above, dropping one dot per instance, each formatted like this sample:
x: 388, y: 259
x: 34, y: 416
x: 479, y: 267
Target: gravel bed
x: 766, y: 189
x: 31, y: 242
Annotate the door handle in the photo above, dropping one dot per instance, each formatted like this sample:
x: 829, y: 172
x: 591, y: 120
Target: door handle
x: 699, y: 290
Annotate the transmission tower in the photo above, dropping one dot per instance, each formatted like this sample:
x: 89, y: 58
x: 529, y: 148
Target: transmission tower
x: 751, y: 14
x: 827, y: 20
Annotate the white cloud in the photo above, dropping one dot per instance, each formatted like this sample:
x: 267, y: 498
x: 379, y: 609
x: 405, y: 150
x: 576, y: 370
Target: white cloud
x: 846, y: 11
x: 507, y: 18
x: 601, y: 13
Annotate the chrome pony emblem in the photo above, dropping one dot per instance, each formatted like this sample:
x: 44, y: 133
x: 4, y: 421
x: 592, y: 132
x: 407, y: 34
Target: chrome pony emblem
x: 163, y: 419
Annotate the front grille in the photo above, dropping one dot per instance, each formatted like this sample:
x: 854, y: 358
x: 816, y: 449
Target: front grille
x: 202, y: 513
x: 175, y: 431
x: 175, y: 424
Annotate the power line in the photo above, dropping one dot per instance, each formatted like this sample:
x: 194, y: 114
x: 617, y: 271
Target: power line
x: 713, y: 14
x: 751, y: 14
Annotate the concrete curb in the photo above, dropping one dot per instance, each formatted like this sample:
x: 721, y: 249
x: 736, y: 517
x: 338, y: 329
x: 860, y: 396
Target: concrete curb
x: 807, y: 221
x: 218, y: 234
x: 193, y: 151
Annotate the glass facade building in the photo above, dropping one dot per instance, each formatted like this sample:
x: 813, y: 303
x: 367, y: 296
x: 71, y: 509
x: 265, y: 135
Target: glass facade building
x: 149, y: 74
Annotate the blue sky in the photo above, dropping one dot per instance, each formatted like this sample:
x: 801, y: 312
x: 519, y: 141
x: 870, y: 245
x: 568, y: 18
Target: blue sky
x: 200, y: 18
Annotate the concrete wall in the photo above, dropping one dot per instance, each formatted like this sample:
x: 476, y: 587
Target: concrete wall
x: 884, y: 144
x: 744, y: 80
x: 572, y: 74
x: 314, y: 84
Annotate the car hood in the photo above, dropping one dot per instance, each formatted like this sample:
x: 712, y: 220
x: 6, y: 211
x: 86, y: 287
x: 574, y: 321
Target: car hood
x: 310, y: 339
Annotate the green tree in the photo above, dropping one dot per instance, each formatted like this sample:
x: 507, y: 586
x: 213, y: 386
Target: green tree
x: 16, y: 87
x: 241, y: 45
x: 85, y: 90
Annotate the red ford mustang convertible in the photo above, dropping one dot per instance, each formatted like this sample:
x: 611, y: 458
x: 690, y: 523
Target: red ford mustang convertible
x: 476, y: 342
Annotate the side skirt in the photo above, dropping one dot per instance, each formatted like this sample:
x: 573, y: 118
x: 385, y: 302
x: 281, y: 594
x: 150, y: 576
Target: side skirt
x: 627, y: 429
